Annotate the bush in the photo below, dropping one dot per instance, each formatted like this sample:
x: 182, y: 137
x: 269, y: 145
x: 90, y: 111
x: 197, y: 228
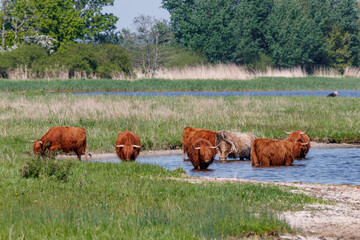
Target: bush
x: 39, y: 167
x: 22, y: 57
x: 101, y: 60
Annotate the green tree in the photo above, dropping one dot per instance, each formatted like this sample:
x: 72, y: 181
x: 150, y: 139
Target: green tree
x: 224, y: 30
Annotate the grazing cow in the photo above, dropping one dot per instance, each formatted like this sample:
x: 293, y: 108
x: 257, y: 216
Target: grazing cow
x: 202, y: 153
x: 270, y: 152
x: 127, y: 146
x: 334, y: 94
x: 191, y: 134
x: 65, y: 139
x: 299, y: 136
x: 234, y: 144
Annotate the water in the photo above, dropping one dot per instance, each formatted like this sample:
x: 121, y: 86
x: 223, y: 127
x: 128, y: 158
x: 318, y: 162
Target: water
x: 345, y: 93
x: 331, y: 166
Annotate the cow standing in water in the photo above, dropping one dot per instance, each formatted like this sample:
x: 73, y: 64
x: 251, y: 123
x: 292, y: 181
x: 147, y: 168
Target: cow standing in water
x: 202, y: 153
x: 234, y: 144
x: 299, y: 136
x: 65, y: 139
x: 190, y: 135
x: 127, y: 146
x: 269, y: 152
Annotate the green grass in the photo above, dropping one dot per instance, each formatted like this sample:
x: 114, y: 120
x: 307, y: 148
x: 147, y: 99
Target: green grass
x: 159, y: 121
x: 136, y: 201
x: 107, y: 85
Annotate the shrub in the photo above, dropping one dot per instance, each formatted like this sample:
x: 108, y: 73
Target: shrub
x: 37, y: 167
x: 22, y: 57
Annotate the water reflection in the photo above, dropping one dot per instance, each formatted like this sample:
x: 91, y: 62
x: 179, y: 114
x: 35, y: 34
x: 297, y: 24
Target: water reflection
x: 331, y: 166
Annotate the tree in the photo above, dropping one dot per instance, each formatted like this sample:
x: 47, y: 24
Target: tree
x: 4, y: 20
x: 225, y: 30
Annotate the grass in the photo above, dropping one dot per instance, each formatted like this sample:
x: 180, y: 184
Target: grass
x: 136, y: 201
x: 159, y: 121
x: 108, y: 85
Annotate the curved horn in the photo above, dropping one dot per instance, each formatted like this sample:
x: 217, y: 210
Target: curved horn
x: 305, y: 131
x: 215, y: 146
x: 118, y: 146
x: 305, y: 143
x: 288, y: 133
x: 198, y: 148
x: 233, y: 148
x: 136, y: 146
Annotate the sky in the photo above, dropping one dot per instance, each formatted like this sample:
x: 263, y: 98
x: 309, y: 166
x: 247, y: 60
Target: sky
x: 127, y: 10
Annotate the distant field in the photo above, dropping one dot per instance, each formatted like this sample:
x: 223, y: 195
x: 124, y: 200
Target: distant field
x: 159, y: 121
x: 108, y: 85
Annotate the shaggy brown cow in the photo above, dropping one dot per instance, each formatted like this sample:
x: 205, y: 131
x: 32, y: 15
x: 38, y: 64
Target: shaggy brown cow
x: 299, y: 136
x: 234, y: 144
x: 202, y: 153
x: 270, y: 152
x: 191, y: 134
x: 127, y: 146
x: 65, y: 139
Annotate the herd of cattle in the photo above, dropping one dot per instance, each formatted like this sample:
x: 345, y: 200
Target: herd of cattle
x: 200, y: 145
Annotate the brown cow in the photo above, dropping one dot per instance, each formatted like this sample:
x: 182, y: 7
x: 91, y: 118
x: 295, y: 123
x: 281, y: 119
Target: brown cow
x: 270, y: 152
x: 202, y: 153
x: 65, y: 139
x: 127, y: 146
x: 191, y: 134
x: 234, y: 144
x: 299, y: 136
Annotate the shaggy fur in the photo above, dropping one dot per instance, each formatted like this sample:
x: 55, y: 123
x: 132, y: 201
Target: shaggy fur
x: 130, y: 146
x: 234, y: 144
x: 65, y: 139
x: 191, y: 134
x: 203, y: 157
x: 270, y: 152
x: 300, y: 136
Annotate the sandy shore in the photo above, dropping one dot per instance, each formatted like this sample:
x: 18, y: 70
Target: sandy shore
x: 339, y: 220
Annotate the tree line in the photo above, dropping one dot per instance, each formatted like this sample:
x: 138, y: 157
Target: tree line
x: 258, y: 34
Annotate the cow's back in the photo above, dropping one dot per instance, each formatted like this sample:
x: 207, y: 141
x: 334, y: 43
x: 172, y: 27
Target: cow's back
x: 127, y: 138
x: 69, y: 138
x: 270, y: 152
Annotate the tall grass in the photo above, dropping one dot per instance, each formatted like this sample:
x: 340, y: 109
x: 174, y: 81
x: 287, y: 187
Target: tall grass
x: 108, y: 85
x: 159, y: 121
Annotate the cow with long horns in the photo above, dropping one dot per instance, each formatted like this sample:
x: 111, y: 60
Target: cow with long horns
x: 202, y: 153
x: 269, y: 152
x: 234, y: 144
x: 190, y: 135
x: 299, y: 136
x: 65, y: 139
x: 127, y: 146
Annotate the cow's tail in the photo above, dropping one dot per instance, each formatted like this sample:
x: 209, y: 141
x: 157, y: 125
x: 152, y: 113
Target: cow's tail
x: 253, y: 156
x: 183, y: 152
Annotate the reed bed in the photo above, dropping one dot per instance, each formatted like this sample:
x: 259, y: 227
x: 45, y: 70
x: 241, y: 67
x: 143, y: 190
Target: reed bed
x: 109, y: 85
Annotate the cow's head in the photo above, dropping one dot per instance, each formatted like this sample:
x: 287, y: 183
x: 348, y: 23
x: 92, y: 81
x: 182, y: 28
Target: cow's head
x: 224, y: 146
x: 38, y: 146
x: 298, y: 148
x: 128, y: 152
x: 206, y: 153
x: 302, y: 137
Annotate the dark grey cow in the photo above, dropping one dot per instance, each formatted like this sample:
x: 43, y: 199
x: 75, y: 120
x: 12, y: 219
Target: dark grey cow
x: 234, y: 144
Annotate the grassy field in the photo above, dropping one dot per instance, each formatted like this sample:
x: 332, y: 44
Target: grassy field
x: 159, y: 121
x: 137, y: 201
x: 258, y: 84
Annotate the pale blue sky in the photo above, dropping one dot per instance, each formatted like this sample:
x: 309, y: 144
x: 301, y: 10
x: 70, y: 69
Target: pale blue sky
x: 126, y: 10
